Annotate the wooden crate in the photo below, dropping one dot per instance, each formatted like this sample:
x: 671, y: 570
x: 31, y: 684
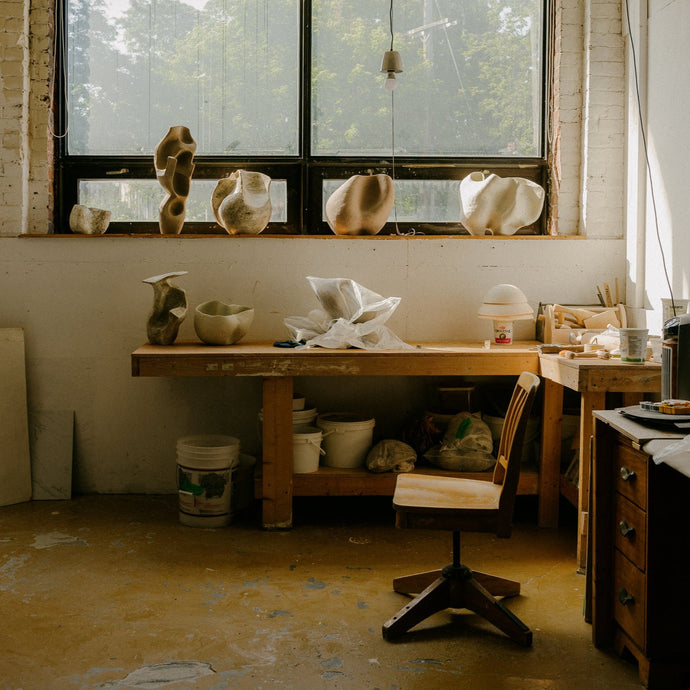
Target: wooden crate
x: 553, y: 328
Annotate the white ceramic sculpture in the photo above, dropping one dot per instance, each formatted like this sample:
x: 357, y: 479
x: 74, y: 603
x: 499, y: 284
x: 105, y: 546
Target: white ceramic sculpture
x: 241, y: 202
x: 361, y: 205
x: 169, y: 309
x: 88, y: 221
x: 493, y: 205
x: 217, y: 323
x: 173, y: 160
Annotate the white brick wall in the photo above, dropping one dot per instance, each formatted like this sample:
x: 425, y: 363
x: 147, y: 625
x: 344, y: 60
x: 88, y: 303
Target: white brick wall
x: 587, y: 135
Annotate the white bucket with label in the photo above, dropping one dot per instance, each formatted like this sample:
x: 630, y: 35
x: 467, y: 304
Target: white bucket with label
x: 350, y: 436
x: 306, y: 449
x: 205, y: 465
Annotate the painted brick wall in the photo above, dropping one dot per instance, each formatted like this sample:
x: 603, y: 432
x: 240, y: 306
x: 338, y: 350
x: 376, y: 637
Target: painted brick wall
x: 587, y: 134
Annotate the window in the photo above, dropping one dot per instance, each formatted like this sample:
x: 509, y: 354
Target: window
x: 292, y: 88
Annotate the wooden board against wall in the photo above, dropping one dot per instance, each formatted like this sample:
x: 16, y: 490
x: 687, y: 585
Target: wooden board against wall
x: 15, y: 459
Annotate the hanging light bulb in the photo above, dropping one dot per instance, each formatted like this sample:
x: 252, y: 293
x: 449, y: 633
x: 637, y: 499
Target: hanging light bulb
x: 391, y: 65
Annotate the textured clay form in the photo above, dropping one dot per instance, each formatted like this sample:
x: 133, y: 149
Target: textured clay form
x: 88, y: 221
x: 241, y: 202
x: 174, y: 168
x: 169, y: 309
x: 361, y: 205
x: 493, y: 205
x: 217, y: 323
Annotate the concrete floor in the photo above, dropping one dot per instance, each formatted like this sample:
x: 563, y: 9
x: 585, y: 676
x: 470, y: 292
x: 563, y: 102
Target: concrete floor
x: 112, y: 592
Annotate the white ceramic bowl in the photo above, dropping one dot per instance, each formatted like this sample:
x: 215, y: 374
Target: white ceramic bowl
x: 217, y: 323
x: 504, y: 294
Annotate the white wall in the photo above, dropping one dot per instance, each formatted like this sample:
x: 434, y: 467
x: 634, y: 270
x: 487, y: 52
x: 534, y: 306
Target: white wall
x: 84, y: 308
x: 668, y: 106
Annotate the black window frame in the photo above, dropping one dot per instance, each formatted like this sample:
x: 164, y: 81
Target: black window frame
x: 304, y: 173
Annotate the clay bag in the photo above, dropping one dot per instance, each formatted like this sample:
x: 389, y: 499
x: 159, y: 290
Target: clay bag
x: 391, y: 455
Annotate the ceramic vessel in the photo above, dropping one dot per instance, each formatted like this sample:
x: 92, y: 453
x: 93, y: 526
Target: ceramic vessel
x: 169, y: 308
x: 241, y: 202
x: 174, y: 165
x: 493, y: 205
x: 361, y: 205
x: 217, y: 323
x: 88, y: 221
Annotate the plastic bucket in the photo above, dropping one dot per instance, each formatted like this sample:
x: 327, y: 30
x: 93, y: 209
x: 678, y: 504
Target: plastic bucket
x: 299, y: 418
x: 204, y: 479
x: 306, y: 449
x: 349, y: 438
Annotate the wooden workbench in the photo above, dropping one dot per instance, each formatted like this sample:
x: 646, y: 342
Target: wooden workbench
x: 278, y: 366
x: 592, y: 378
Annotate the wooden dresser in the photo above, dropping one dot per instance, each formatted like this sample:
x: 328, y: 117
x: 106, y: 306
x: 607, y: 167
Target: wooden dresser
x: 640, y: 558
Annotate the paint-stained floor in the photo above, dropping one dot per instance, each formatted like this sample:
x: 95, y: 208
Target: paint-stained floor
x: 112, y: 592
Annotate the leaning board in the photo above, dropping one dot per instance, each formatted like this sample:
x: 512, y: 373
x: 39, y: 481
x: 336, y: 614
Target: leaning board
x: 15, y: 459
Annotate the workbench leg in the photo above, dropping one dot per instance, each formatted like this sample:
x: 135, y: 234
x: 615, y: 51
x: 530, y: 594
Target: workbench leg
x: 277, y: 452
x: 550, y: 465
x: 588, y: 403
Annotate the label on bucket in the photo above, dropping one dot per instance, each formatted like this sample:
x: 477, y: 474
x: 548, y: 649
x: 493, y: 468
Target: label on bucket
x: 204, y: 493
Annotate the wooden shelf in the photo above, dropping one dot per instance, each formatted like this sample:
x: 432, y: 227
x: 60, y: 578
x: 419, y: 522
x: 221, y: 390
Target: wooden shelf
x: 331, y: 481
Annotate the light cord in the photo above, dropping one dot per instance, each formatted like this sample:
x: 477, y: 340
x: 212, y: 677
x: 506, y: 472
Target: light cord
x: 646, y: 155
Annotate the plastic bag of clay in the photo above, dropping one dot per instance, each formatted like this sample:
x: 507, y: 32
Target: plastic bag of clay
x: 350, y: 316
x: 391, y: 455
x: 466, y: 447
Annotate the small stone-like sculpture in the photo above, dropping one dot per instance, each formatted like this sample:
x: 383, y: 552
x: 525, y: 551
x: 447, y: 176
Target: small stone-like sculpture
x: 88, y: 221
x: 169, y: 309
x: 174, y: 167
x: 361, y: 205
x: 241, y: 202
x: 493, y: 205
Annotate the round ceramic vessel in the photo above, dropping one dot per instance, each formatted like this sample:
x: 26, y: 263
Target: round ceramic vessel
x: 217, y: 323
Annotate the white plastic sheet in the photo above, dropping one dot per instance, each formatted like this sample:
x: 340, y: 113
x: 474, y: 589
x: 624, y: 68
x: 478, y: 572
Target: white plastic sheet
x: 676, y: 455
x: 350, y: 316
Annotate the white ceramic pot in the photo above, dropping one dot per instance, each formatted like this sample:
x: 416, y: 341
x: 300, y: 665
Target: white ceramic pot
x: 493, y: 205
x: 217, y: 323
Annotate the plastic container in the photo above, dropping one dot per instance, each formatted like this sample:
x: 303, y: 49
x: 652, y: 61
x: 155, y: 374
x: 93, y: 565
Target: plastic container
x: 633, y: 345
x: 204, y: 479
x: 349, y: 438
x: 306, y: 449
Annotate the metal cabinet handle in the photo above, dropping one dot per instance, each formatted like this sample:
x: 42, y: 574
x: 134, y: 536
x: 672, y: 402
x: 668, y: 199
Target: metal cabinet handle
x: 627, y: 474
x: 625, y: 597
x: 625, y: 529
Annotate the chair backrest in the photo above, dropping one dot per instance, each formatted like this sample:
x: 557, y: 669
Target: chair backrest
x: 509, y: 456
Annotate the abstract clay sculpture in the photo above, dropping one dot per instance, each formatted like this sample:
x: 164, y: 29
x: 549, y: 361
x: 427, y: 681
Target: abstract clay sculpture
x: 241, y: 202
x: 174, y: 164
x: 361, y: 205
x: 85, y: 220
x: 169, y: 309
x: 493, y: 205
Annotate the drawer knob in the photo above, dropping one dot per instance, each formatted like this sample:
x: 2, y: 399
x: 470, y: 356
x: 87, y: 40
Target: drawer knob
x: 625, y: 597
x: 626, y: 530
x: 627, y: 474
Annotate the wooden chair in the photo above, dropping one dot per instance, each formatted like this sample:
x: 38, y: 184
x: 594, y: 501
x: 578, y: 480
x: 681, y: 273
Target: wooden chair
x: 458, y: 504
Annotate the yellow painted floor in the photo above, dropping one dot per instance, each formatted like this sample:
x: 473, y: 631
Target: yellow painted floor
x: 112, y: 592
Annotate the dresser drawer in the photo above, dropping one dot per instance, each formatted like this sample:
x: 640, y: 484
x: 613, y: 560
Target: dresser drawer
x: 629, y: 599
x: 630, y: 531
x: 630, y: 475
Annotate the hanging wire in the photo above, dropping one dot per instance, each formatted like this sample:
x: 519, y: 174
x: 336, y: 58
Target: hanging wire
x: 646, y: 156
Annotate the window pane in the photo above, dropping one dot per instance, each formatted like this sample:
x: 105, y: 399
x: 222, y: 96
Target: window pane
x: 416, y: 201
x: 471, y: 82
x: 227, y: 69
x: 138, y: 200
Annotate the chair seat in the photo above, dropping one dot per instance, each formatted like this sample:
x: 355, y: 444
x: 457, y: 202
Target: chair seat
x: 429, y: 494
